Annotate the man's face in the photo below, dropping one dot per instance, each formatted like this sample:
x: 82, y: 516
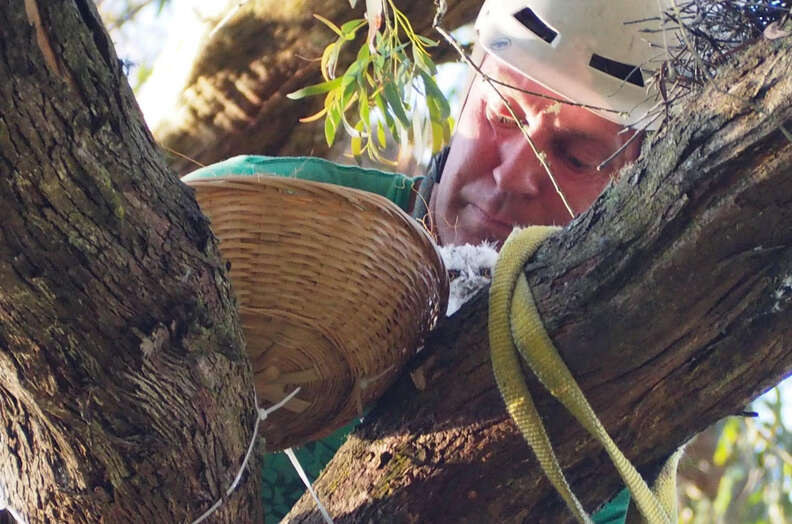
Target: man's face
x: 493, y: 181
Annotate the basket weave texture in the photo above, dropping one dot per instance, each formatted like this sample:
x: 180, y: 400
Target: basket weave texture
x: 336, y: 289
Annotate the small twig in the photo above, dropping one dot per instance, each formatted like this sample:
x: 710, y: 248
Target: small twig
x: 183, y: 156
x: 441, y: 6
x: 548, y: 97
x: 709, y: 76
x: 228, y: 16
x: 625, y: 145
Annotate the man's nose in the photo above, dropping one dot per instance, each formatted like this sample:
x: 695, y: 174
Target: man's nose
x: 520, y: 170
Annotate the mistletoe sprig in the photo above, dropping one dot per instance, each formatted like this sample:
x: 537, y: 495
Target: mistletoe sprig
x: 377, y: 91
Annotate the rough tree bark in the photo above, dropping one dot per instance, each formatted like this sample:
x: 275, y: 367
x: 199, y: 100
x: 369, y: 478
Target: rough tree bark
x: 234, y: 101
x: 125, y: 395
x: 671, y: 300
x: 123, y: 390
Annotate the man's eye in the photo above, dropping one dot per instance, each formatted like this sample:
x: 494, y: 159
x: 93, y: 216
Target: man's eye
x: 579, y: 155
x: 509, y: 121
x: 582, y: 162
x: 502, y: 119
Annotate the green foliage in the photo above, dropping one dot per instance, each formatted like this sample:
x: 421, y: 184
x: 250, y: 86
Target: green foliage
x: 143, y: 73
x: 756, y: 471
x: 379, y: 90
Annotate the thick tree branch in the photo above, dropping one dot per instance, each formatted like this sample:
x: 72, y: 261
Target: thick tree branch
x: 671, y: 301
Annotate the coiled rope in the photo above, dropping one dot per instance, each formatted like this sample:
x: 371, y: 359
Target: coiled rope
x: 515, y: 326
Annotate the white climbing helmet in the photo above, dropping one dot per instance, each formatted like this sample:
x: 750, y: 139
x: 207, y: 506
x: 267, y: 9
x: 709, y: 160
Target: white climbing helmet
x: 601, y: 53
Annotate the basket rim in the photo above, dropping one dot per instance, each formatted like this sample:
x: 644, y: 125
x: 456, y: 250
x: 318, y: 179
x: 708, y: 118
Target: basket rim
x: 261, y: 181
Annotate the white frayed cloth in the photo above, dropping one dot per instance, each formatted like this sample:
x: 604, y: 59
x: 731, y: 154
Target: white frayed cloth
x: 470, y: 269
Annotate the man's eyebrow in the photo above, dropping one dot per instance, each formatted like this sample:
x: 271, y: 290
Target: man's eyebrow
x: 580, y: 134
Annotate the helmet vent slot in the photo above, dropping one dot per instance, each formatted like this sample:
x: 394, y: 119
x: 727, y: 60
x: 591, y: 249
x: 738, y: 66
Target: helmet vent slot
x: 535, y: 24
x: 628, y: 73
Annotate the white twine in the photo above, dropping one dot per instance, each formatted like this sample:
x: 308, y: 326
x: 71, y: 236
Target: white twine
x: 365, y: 382
x: 301, y: 472
x: 262, y: 415
x: 362, y: 384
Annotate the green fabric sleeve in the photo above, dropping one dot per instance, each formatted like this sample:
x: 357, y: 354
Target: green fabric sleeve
x: 281, y: 487
x: 394, y: 186
x: 615, y: 511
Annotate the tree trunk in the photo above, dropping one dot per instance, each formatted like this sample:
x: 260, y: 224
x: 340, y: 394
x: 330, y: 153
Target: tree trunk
x: 124, y: 391
x: 234, y: 101
x: 671, y: 301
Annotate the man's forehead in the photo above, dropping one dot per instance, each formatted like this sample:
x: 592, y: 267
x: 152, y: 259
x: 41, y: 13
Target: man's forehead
x: 527, y: 93
x: 518, y: 81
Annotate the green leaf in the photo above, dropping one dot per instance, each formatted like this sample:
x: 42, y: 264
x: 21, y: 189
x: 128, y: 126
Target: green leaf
x: 380, y: 102
x: 349, y: 29
x: 353, y: 77
x: 363, y: 107
x: 381, y: 134
x: 348, y: 86
x: 423, y: 61
x: 428, y: 42
x: 316, y: 89
x: 364, y: 53
x: 437, y: 137
x: 379, y: 62
x: 330, y: 59
x: 332, y: 120
x: 331, y: 25
x: 435, y: 97
x: 395, y: 103
x: 448, y: 126
x: 357, y: 141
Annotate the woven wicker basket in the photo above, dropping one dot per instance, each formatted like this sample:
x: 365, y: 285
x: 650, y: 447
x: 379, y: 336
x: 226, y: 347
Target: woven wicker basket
x: 336, y: 290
